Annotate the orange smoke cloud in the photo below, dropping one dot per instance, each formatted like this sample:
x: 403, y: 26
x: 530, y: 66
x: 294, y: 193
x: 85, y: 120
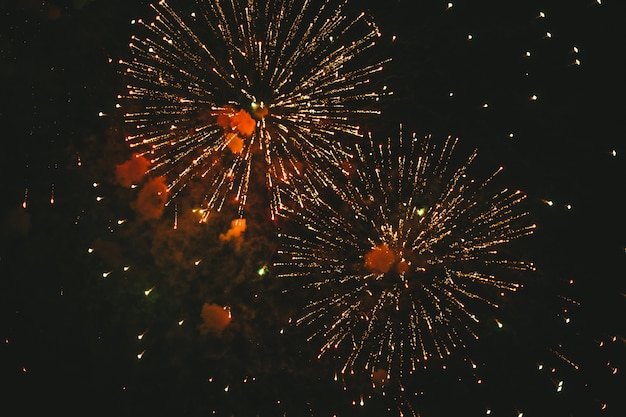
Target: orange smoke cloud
x: 380, y: 377
x: 380, y: 259
x: 402, y: 267
x: 151, y: 199
x: 215, y: 318
x: 240, y: 121
x: 243, y: 122
x: 235, y: 143
x: 223, y: 118
x: 237, y: 227
x: 132, y: 171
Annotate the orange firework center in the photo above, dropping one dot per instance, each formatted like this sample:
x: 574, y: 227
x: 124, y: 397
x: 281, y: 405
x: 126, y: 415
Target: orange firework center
x: 381, y: 260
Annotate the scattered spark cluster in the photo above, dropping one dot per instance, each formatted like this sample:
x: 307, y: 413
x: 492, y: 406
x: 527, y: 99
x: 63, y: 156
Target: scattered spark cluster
x: 236, y: 82
x: 403, y: 274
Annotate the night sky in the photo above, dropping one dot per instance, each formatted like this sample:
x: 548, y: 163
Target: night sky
x: 117, y: 330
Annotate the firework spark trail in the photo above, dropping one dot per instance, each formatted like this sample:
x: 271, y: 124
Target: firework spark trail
x: 296, y: 68
x: 404, y: 272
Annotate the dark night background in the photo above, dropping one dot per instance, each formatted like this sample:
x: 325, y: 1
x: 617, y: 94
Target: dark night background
x: 69, y: 336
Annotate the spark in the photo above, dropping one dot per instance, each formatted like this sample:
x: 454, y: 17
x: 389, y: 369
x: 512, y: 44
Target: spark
x: 564, y: 358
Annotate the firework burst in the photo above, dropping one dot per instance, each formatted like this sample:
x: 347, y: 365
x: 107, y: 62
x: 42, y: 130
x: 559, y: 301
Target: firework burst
x: 409, y: 268
x: 234, y: 82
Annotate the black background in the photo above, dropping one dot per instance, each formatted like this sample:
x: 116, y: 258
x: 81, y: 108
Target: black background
x: 69, y: 337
